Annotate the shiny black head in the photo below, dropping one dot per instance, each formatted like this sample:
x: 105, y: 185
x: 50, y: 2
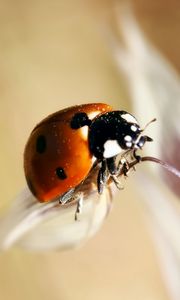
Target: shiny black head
x: 113, y: 133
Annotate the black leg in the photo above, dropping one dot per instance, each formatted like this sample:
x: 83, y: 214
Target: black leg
x: 136, y: 156
x: 102, y: 177
x: 123, y: 166
x: 111, y: 165
x: 115, y: 169
x: 107, y: 169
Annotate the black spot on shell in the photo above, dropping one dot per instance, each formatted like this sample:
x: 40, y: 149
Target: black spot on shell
x: 61, y: 173
x: 79, y: 120
x: 41, y: 144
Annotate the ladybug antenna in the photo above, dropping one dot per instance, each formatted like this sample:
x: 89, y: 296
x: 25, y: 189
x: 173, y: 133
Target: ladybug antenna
x: 165, y: 165
x: 152, y: 121
x: 144, y: 138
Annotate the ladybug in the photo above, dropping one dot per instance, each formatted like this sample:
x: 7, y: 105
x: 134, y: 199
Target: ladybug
x: 63, y: 147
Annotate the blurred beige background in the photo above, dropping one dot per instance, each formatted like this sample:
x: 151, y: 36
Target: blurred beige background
x: 52, y: 55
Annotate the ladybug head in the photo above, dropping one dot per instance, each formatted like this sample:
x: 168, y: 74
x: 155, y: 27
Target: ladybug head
x: 113, y: 133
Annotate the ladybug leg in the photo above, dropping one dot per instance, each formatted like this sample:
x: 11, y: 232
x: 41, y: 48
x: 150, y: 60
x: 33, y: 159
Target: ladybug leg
x: 103, y: 176
x: 69, y: 196
x: 79, y: 206
x: 142, y: 140
x: 136, y: 156
x: 114, y: 171
x: 117, y: 182
x: 111, y: 165
x: 123, y: 166
x: 66, y: 197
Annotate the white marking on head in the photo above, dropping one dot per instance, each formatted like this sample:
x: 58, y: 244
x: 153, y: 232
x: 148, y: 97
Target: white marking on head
x: 129, y: 118
x: 93, y: 114
x: 129, y: 144
x: 93, y: 159
x: 84, y: 132
x: 111, y: 148
x: 84, y: 129
x: 134, y: 128
x: 128, y: 138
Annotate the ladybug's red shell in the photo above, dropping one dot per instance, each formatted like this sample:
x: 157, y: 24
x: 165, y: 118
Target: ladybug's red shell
x: 57, y: 157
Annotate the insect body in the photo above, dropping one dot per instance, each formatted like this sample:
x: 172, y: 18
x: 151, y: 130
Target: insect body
x: 57, y: 156
x: 62, y: 148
